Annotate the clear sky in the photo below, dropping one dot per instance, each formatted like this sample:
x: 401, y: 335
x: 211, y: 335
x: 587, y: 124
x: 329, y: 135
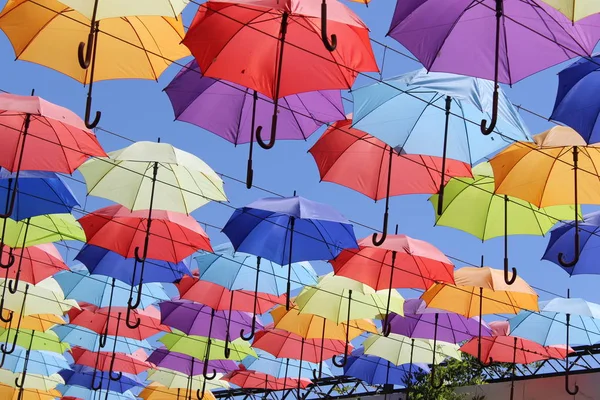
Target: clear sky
x: 141, y: 111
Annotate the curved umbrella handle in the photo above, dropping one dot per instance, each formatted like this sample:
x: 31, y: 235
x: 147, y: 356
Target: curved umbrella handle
x: 128, y: 317
x: 272, y: 138
x: 227, y: 350
x: 115, y: 377
x: 10, y: 314
x: 14, y: 343
x: 432, y: 374
x: 113, y: 357
x: 205, y: 374
x: 10, y: 207
x: 198, y: 396
x: 94, y: 386
x: 253, y: 328
x: 136, y: 253
x: 11, y: 259
x: 20, y: 381
x: 386, y: 328
x: 513, y: 278
x: 324, y: 37
x: 3, y: 348
x: 85, y: 55
x: 13, y: 289
x: 577, y: 241
x: 91, y: 124
x: 509, y: 280
x: 379, y: 242
x: 342, y: 363
x: 2, y: 359
x: 487, y: 130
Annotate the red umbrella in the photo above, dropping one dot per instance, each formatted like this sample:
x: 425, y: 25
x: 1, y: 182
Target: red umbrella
x: 130, y: 363
x: 173, y: 236
x: 257, y: 380
x: 276, y: 47
x: 105, y: 321
x: 507, y: 349
x: 284, y: 344
x: 35, y: 263
x: 47, y: 136
x: 359, y: 161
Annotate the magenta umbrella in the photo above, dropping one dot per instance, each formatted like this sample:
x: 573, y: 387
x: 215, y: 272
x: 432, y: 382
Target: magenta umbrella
x: 458, y: 36
x: 231, y: 111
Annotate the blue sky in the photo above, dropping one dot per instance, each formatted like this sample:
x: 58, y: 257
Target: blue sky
x: 141, y: 111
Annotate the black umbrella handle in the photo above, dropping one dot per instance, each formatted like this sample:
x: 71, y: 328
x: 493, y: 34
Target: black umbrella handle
x: 577, y: 241
x: 324, y: 37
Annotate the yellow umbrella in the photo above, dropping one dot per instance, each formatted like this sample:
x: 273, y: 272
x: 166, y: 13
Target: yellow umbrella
x: 399, y: 349
x: 12, y: 393
x: 177, y: 380
x: 47, y: 32
x: 35, y: 322
x: 31, y: 381
x: 557, y: 168
x: 155, y: 391
x: 575, y: 9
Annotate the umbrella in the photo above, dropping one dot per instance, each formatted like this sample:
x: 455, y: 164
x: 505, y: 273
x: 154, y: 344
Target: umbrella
x: 476, y: 196
x: 88, y: 339
x: 35, y: 322
x: 186, y: 364
x: 379, y: 371
x: 36, y: 263
x: 102, y: 291
x: 355, y: 159
x: 155, y: 391
x: 560, y: 156
x: 108, y: 263
x: 12, y: 393
x: 134, y: 363
x: 574, y: 9
x: 31, y: 381
x: 175, y: 379
x: 41, y: 362
x: 561, y: 239
x: 547, y: 326
x: 196, y: 346
x: 60, y: 29
x: 83, y: 376
x: 281, y: 368
x: 164, y: 235
x: 399, y: 349
x: 198, y: 100
x: 341, y: 299
x: 419, y: 265
x: 515, y: 55
x: 39, y: 193
x: 258, y: 380
x: 222, y: 29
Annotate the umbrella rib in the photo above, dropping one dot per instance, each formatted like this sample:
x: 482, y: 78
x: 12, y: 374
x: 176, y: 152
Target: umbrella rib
x: 179, y: 186
x: 142, y: 177
x: 239, y: 119
x: 143, y: 47
x: 285, y: 100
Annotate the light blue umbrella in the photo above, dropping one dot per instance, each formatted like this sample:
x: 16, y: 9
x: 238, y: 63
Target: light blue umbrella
x: 40, y: 362
x: 281, y: 367
x: 239, y: 271
x: 89, y: 394
x: 78, y: 284
x: 88, y: 339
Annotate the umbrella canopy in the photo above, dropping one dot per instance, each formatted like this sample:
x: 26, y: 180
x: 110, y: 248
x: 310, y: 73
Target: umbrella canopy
x: 108, y: 263
x: 509, y: 349
x: 78, y: 284
x: 42, y: 229
x: 52, y: 42
x: 186, y: 364
x: 399, y: 262
x: 35, y: 322
x: 574, y: 9
x: 419, y: 128
x: 219, y: 298
x: 548, y: 327
x: 283, y: 344
x: 156, y: 391
x: 476, y: 196
x: 88, y: 339
x: 237, y: 271
x: 464, y: 26
x: 45, y: 297
x: 353, y: 158
x: 31, y: 381
x: 178, y: 380
x: 12, y: 393
x: 39, y: 193
x: 195, y: 319
x: 173, y: 236
x: 104, y: 9
x: 41, y: 362
x: 251, y: 56
x: 378, y: 371
x: 59, y: 140
x: 334, y: 294
x: 480, y: 291
x: 397, y: 349
x: 35, y: 263
x: 134, y: 363
x: 174, y: 179
x: 80, y: 393
x: 83, y: 376
x: 281, y: 368
x: 259, y: 380
x: 419, y: 322
x: 199, y: 100
x: 313, y: 326
x: 195, y: 346
x: 48, y: 341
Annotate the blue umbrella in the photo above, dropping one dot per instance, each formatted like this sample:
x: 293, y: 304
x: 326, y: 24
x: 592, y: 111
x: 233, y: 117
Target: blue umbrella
x: 378, y: 371
x: 560, y: 321
x: 78, y: 284
x: 576, y: 102
x: 288, y: 230
x: 101, y: 261
x: 561, y: 241
x: 87, y: 377
x: 240, y: 271
x: 89, y: 394
x: 88, y: 339
x: 280, y: 367
x: 38, y: 193
x: 40, y: 362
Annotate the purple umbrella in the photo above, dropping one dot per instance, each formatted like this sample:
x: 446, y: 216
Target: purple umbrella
x: 232, y: 111
x: 188, y: 365
x: 421, y: 322
x: 458, y: 36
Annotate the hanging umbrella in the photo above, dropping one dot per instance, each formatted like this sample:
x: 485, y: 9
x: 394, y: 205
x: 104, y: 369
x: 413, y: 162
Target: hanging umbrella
x: 12, y: 393
x: 355, y: 159
x: 41, y: 229
x: 60, y: 29
x: 103, y: 291
x: 259, y: 380
x: 31, y: 381
x: 164, y: 235
x: 108, y: 263
x: 83, y: 376
x: 186, y: 364
x: 88, y: 339
x: 281, y: 368
x: 378, y: 371
x: 419, y: 265
x: 156, y: 391
x: 197, y: 100
x: 297, y: 229
x: 41, y: 362
x: 505, y: 54
x: 561, y: 242
x: 399, y: 349
x: 35, y: 263
x: 44, y: 298
x: 35, y: 340
x: 134, y: 363
x: 35, y: 322
x: 575, y: 10
x: 269, y: 26
x: 493, y: 215
x: 176, y: 380
x: 561, y: 160
x: 341, y: 299
x: 81, y: 393
x: 196, y: 346
x: 39, y: 193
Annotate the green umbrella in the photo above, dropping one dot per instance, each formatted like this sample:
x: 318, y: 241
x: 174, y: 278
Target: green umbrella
x: 471, y: 205
x: 48, y: 341
x: 196, y: 346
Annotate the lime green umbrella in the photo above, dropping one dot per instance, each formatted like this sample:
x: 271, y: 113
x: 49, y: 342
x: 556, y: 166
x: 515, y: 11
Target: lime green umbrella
x: 177, y: 380
x: 470, y: 205
x: 31, y: 381
x: 41, y: 229
x: 197, y: 346
x: 34, y: 340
